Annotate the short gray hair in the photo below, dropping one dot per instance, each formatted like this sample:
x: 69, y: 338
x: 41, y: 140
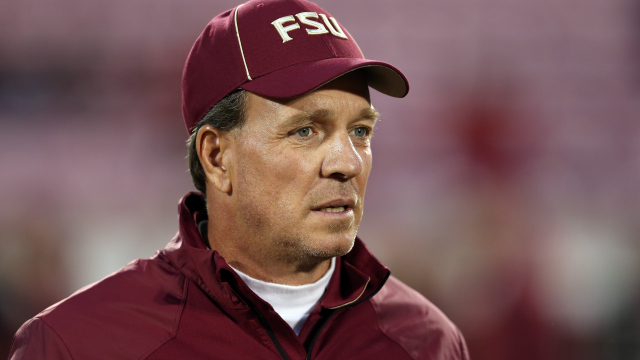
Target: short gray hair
x: 226, y: 115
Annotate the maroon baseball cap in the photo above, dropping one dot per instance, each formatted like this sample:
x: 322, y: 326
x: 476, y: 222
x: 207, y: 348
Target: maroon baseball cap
x: 275, y: 48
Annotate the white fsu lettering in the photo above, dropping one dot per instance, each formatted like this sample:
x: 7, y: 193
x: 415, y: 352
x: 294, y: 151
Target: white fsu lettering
x: 335, y: 28
x: 283, y: 30
x: 315, y: 28
x: 304, y: 18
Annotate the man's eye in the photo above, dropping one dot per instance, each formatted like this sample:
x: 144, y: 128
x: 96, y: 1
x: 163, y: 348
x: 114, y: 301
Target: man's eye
x: 360, y: 131
x: 304, y: 132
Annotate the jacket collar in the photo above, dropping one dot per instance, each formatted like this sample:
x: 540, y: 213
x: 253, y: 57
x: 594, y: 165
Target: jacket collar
x: 358, y: 275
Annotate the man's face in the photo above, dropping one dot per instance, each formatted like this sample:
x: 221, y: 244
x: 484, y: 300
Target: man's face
x: 300, y: 169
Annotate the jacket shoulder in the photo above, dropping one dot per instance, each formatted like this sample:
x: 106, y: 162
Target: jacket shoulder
x: 415, y: 323
x: 36, y: 340
x: 126, y: 315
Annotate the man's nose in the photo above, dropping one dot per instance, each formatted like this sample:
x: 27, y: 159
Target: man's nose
x: 342, y: 160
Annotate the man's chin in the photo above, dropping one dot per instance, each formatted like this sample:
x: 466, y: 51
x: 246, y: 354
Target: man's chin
x: 334, y: 245
x: 316, y: 246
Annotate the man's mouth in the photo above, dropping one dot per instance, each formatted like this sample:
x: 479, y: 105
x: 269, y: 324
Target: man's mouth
x: 342, y: 205
x: 334, y: 209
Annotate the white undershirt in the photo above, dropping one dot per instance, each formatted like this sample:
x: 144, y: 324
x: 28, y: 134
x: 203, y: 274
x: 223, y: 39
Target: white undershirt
x: 292, y: 303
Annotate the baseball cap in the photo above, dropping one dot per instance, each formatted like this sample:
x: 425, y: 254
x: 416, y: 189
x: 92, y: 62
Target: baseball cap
x: 275, y: 48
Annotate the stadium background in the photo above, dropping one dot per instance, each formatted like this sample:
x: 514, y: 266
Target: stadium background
x: 504, y: 188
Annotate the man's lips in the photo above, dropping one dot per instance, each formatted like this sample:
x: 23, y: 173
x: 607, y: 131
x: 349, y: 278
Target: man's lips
x: 336, y: 205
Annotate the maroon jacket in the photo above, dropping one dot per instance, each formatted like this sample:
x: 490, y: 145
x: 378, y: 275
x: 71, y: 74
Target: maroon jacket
x: 187, y: 303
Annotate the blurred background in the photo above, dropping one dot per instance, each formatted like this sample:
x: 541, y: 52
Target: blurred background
x: 504, y: 188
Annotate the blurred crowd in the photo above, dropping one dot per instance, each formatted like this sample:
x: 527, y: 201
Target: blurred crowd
x: 504, y: 187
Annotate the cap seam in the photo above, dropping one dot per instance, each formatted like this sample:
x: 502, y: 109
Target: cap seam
x: 328, y: 45
x: 235, y: 23
x: 354, y: 41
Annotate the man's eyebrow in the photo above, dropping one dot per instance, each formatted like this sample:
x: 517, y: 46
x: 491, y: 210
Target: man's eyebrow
x: 302, y: 118
x: 370, y: 113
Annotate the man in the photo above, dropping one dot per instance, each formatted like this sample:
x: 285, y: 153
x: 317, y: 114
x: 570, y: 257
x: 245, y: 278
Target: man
x: 266, y: 263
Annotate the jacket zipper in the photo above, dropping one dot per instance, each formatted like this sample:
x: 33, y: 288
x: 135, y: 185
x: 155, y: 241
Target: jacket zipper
x: 266, y: 326
x: 273, y: 337
x: 317, y: 334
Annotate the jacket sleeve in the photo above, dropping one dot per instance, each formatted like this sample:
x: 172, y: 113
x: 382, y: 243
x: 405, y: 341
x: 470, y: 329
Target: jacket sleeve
x: 464, y: 352
x: 35, y: 340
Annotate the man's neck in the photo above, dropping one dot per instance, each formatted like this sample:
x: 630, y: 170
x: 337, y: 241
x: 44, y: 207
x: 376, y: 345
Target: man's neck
x: 285, y: 274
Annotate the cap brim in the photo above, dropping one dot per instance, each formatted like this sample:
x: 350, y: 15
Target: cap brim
x: 305, y: 77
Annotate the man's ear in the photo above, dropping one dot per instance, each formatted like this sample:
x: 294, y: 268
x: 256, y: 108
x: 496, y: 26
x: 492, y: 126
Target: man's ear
x: 211, y: 145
